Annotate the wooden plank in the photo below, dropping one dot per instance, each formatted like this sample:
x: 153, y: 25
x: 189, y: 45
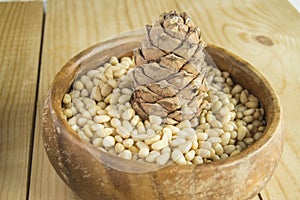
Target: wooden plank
x: 256, y: 30
x: 67, y: 32
x: 285, y: 182
x: 20, y: 39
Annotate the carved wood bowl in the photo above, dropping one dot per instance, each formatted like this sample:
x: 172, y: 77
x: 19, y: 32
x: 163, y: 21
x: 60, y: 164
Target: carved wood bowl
x: 93, y: 174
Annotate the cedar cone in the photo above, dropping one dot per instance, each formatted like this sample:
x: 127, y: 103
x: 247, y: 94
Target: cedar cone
x: 169, y: 77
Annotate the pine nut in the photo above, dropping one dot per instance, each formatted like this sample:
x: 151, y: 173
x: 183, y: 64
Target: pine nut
x: 190, y: 155
x: 78, y: 85
x: 252, y: 104
x: 163, y: 158
x: 155, y: 119
x: 218, y: 149
x: 126, y: 154
x: 102, y: 118
x: 123, y: 132
x: 153, y: 139
x: 174, y: 129
x: 128, y: 114
x: 92, y: 73
x: 195, y: 144
x: 204, y: 126
x: 197, y: 160
x: 98, y: 142
x: 106, y: 89
x: 114, y: 98
x: 178, y: 141
x: 178, y: 157
x: 228, y: 127
x: 141, y: 130
x: 248, y: 119
x: 119, y: 73
x: 225, y: 138
x: 216, y: 106
x: 87, y: 131
x: 206, y: 145
x: 127, y: 125
x: 84, y: 93
x: 210, y: 117
x: 83, y: 136
x: 249, y: 111
x: 124, y: 98
x: 214, y: 140
x: 159, y: 145
x: 219, y: 79
x: 126, y: 91
x: 182, y: 134
x: 135, y: 119
x: 248, y: 141
x: 216, y: 124
x: 141, y: 145
x: 86, y: 114
x: 81, y: 121
x: 214, y: 98
x: 201, y: 136
x: 235, y: 152
x: 212, y: 133
x: 242, y: 132
x: 167, y: 134
x: 72, y: 121
x: 67, y: 99
x: 223, y: 111
x: 152, y: 156
x: 244, y: 96
x: 68, y: 112
x: 224, y: 156
x: 184, y: 124
x: 204, y: 153
x: 233, y: 134
x: 115, y: 122
x: 108, y: 141
x: 118, y: 138
x: 185, y: 147
x: 113, y: 113
x: 114, y: 60
x: 119, y: 148
x: 143, y: 152
x: 128, y: 142
x: 258, y: 135
x: 253, y: 98
x: 228, y: 149
x: 236, y: 89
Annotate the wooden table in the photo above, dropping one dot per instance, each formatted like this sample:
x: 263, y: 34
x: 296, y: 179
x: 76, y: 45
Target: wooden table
x: 35, y: 44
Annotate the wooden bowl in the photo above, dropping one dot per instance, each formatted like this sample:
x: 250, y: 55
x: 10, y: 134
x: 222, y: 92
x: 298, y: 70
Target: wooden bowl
x: 93, y: 174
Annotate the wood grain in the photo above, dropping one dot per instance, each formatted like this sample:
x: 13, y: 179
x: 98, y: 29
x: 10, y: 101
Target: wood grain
x: 258, y: 32
x: 20, y: 39
x: 266, y: 33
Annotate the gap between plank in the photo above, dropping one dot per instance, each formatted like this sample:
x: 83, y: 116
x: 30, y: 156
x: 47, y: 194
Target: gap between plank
x: 31, y: 143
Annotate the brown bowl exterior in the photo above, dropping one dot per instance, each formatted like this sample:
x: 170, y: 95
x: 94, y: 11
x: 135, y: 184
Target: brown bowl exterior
x: 89, y: 172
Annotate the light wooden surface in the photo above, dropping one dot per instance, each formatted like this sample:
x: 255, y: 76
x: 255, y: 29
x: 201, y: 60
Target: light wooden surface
x: 266, y: 33
x: 20, y: 39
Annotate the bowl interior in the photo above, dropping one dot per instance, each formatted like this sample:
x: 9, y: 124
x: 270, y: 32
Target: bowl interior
x: 241, y: 72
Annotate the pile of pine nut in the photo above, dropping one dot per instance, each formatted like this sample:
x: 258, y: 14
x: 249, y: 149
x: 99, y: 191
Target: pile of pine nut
x: 98, y: 109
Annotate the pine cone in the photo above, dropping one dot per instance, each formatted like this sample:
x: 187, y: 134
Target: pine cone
x: 169, y: 77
